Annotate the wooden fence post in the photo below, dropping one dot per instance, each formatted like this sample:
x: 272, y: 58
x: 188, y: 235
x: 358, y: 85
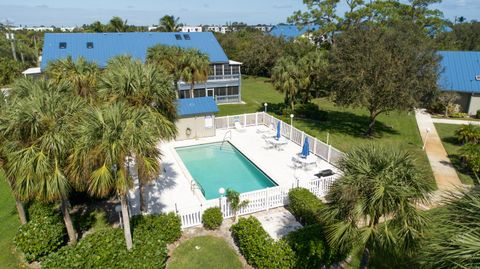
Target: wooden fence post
x: 329, y: 152
x: 266, y: 199
x: 256, y: 118
x: 244, y: 120
x: 314, y: 146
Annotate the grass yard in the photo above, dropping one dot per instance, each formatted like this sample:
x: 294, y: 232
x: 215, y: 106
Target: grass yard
x: 204, y: 252
x: 345, y: 126
x: 447, y: 134
x: 8, y: 226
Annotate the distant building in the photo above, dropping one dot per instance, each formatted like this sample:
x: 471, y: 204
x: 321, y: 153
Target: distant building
x: 262, y: 27
x: 461, y: 74
x: 224, y: 81
x: 191, y: 29
x: 43, y: 28
x: 290, y: 31
x: 221, y: 29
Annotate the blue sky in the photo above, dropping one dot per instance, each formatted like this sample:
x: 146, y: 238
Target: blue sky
x: 147, y: 12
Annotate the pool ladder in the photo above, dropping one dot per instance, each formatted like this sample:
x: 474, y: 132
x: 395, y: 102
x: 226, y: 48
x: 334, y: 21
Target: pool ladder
x: 229, y: 132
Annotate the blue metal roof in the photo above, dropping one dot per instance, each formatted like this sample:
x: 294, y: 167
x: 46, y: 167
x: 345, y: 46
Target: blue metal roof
x: 108, y: 45
x: 459, y: 71
x: 196, y: 106
x: 291, y: 31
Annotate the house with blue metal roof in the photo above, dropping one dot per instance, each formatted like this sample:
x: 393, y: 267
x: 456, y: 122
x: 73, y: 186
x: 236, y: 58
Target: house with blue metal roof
x: 460, y: 72
x: 196, y: 117
x: 290, y: 31
x: 224, y: 81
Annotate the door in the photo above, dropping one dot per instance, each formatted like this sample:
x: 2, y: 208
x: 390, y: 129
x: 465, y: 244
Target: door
x: 210, y: 92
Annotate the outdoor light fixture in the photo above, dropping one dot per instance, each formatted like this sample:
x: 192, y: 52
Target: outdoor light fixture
x: 428, y: 130
x: 221, y: 191
x: 265, y: 105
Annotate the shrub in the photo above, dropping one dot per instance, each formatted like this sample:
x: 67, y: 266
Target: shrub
x: 165, y: 227
x: 305, y: 206
x: 310, y: 111
x: 212, y: 218
x: 459, y: 115
x: 106, y: 249
x: 478, y: 114
x: 311, y: 248
x: 43, y: 234
x: 258, y: 248
x: 468, y: 134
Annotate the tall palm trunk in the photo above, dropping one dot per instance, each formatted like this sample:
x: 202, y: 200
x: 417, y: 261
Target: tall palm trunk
x: 192, y: 89
x: 72, y: 235
x: 21, y: 211
x: 126, y: 222
x: 141, y: 196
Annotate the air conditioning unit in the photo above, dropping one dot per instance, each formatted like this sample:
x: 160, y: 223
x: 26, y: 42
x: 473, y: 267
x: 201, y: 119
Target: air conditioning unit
x: 477, y: 77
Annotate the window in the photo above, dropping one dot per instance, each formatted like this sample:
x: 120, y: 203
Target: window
x: 235, y: 69
x: 89, y: 45
x: 218, y: 70
x: 477, y: 77
x: 227, y: 70
x: 199, y: 92
x: 186, y: 37
x: 211, y: 72
x: 232, y: 90
x: 184, y: 94
x: 62, y: 45
x: 221, y: 91
x: 178, y: 37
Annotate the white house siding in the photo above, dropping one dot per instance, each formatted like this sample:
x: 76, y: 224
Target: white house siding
x: 474, y: 104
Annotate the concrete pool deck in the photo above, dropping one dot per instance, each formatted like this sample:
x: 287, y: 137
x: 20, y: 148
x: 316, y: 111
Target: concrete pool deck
x: 173, y: 189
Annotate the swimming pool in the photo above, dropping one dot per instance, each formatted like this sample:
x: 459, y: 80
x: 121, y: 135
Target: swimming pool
x: 213, y: 168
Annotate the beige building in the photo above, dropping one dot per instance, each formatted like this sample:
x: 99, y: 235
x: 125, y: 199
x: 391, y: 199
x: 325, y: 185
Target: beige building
x: 196, y: 118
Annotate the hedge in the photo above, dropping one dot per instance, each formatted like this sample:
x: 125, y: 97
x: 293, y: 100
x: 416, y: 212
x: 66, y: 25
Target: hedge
x: 311, y: 248
x: 258, y: 248
x: 305, y: 206
x: 166, y: 227
x: 212, y: 218
x: 106, y: 248
x: 44, y: 233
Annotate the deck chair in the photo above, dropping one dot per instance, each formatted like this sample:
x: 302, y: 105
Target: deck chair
x: 239, y: 127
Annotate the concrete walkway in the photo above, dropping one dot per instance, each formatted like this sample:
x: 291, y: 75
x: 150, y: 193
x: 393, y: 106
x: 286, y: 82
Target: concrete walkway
x: 443, y: 170
x: 459, y: 122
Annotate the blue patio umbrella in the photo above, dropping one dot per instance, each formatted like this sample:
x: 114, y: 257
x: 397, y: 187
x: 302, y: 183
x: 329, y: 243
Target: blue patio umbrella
x: 306, y: 148
x: 278, y: 131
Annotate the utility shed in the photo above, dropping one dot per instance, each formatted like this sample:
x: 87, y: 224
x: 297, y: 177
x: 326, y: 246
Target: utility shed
x: 196, y: 117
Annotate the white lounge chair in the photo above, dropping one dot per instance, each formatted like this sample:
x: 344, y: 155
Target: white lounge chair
x: 239, y: 127
x: 277, y: 144
x: 306, y: 162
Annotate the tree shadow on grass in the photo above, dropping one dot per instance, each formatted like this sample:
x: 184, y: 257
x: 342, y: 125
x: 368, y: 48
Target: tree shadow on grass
x: 342, y: 122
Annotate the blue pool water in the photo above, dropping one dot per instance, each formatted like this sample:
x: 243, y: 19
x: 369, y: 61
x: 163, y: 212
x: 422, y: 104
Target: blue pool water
x: 214, y: 168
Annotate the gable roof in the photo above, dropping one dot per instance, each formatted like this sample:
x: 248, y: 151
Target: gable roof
x: 196, y: 106
x: 459, y: 69
x: 290, y: 30
x: 108, y: 45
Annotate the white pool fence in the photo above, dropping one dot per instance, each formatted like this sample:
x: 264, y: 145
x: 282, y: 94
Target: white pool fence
x: 268, y: 198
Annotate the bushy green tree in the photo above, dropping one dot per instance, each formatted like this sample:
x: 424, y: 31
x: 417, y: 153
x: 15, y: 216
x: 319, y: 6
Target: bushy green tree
x: 383, y: 69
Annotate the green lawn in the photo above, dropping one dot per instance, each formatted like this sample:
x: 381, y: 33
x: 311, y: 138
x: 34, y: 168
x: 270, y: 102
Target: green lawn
x: 204, y: 252
x: 447, y: 134
x: 8, y: 226
x: 345, y: 126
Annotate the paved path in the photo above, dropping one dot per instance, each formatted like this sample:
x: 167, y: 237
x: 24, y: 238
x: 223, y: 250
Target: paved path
x: 459, y: 122
x: 443, y: 170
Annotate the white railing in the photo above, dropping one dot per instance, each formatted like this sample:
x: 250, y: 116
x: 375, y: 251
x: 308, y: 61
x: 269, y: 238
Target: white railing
x: 260, y: 200
x: 317, y: 147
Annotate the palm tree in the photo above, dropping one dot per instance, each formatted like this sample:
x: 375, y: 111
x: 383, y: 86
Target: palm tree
x: 116, y: 24
x: 108, y: 137
x: 468, y: 134
x: 233, y: 198
x: 169, y: 58
x: 454, y: 240
x: 144, y: 87
x: 5, y: 143
x: 373, y: 204
x: 195, y: 68
x: 38, y: 127
x: 470, y: 154
x: 81, y: 74
x: 169, y: 23
x: 285, y: 77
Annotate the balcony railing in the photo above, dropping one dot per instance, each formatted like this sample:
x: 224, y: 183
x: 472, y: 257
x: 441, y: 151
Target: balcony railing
x: 224, y: 77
